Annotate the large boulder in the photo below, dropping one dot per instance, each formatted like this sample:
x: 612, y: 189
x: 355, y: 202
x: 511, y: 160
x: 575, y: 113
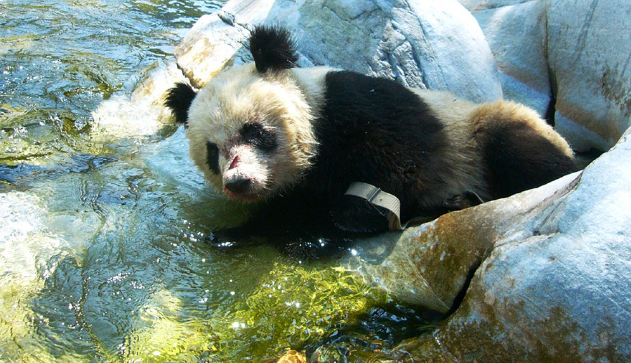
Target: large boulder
x: 588, y: 53
x: 517, y: 36
x: 553, y: 284
x: 430, y: 265
x: 569, y: 61
x: 426, y: 44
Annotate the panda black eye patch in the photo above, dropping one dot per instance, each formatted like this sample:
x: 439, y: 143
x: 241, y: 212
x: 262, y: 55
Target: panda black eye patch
x: 212, y: 152
x: 254, y: 134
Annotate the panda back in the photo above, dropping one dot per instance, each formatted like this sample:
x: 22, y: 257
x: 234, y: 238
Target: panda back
x: 377, y: 131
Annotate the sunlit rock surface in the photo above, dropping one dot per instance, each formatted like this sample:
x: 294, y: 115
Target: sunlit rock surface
x: 570, y: 56
x: 429, y: 264
x: 422, y: 44
x: 214, y: 40
x: 554, y: 281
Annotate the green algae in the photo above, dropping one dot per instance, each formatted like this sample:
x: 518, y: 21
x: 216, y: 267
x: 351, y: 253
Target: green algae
x: 293, y: 306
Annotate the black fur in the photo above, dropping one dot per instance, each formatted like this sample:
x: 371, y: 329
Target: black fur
x: 212, y: 157
x: 179, y: 99
x: 519, y: 158
x: 379, y: 132
x: 254, y: 134
x: 272, y: 48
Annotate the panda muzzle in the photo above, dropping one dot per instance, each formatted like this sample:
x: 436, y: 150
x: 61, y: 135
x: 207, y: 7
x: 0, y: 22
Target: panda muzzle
x: 238, y: 186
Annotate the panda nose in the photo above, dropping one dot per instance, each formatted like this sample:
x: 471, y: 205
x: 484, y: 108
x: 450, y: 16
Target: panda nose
x: 238, y: 185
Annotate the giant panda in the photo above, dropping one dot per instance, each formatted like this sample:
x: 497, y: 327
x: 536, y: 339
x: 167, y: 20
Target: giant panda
x: 291, y: 140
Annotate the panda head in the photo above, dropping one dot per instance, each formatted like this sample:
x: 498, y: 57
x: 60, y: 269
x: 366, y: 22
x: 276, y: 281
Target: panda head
x: 250, y: 127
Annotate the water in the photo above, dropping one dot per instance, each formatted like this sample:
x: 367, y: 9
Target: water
x: 103, y: 217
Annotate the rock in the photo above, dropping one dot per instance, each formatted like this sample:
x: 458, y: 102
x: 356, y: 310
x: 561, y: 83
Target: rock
x: 571, y: 56
x: 429, y: 265
x: 555, y: 284
x: 474, y: 5
x: 214, y: 40
x: 588, y: 52
x: 517, y: 36
x: 421, y: 43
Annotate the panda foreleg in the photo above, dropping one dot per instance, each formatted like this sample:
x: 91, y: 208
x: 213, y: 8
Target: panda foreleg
x: 353, y: 214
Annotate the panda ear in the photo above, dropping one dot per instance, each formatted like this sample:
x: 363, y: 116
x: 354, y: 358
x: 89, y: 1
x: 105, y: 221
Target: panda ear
x: 179, y: 99
x: 272, y: 48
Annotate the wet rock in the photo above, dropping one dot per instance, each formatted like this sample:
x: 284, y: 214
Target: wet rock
x: 421, y: 44
x: 554, y: 285
x: 569, y: 56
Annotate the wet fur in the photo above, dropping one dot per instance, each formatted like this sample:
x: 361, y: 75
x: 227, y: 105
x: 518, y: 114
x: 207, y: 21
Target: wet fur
x: 331, y: 127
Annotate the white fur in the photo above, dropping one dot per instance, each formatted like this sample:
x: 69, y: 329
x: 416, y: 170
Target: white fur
x: 242, y: 95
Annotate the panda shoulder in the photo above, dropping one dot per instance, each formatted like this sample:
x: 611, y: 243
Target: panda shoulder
x: 450, y: 109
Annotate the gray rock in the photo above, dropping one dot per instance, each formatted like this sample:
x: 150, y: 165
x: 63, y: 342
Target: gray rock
x: 517, y: 36
x: 473, y: 5
x: 573, y: 55
x: 588, y: 51
x: 436, y: 45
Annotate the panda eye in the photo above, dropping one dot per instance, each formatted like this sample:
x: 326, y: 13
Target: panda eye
x: 212, y: 152
x: 255, y: 134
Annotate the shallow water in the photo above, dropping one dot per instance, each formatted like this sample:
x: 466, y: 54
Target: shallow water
x: 103, y: 217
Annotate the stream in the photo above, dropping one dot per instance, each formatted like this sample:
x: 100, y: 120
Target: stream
x: 103, y: 218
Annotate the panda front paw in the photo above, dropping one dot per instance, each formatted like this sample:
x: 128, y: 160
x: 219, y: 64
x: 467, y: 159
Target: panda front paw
x: 355, y: 215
